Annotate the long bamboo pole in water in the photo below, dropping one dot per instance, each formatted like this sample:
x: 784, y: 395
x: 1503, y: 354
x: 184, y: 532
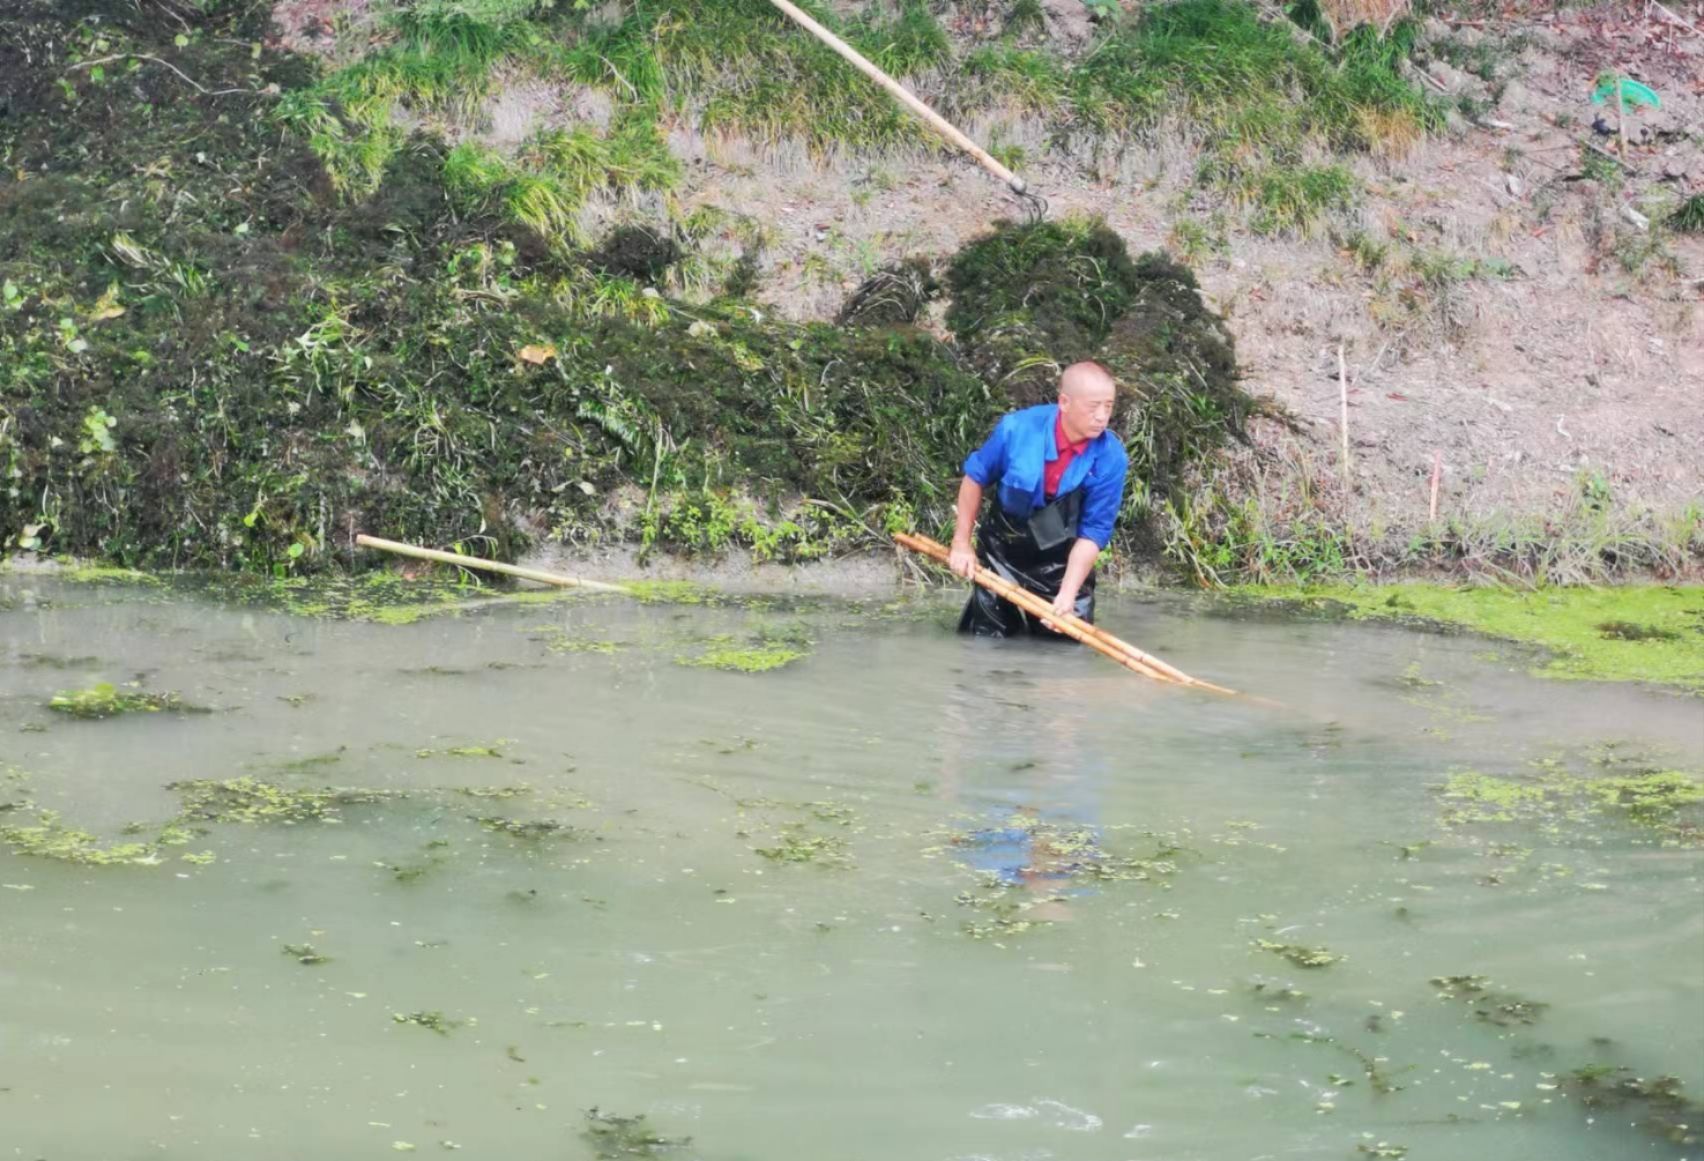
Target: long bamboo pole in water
x: 514, y: 570
x: 1072, y: 626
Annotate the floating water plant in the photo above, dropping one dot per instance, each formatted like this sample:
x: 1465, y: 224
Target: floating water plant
x: 432, y: 1021
x: 1667, y: 802
x: 531, y: 829
x: 1504, y: 1009
x: 1029, y: 865
x: 1302, y: 957
x: 612, y: 1137
x: 106, y: 700
x: 1658, y: 1105
x: 753, y: 659
x: 476, y: 750
x: 51, y: 839
x: 305, y: 954
x: 250, y: 800
x: 795, y: 845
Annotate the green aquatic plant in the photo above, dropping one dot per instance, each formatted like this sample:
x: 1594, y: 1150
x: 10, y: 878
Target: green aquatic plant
x: 473, y: 750
x: 1302, y: 957
x: 531, y: 829
x: 1503, y: 1009
x: 105, y: 700
x: 1658, y: 1105
x: 1043, y: 862
x: 1667, y: 802
x: 794, y: 845
x: 249, y: 800
x: 305, y: 954
x: 750, y: 659
x: 612, y: 1137
x: 49, y: 838
x: 433, y: 1021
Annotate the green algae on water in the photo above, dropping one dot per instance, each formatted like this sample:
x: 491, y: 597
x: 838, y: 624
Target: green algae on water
x: 105, y: 700
x: 49, y: 838
x: 754, y: 659
x: 1668, y: 803
x: 1647, y: 633
x: 249, y: 800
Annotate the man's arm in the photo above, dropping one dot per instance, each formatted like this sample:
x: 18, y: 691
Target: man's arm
x: 962, y: 557
x: 1077, y: 568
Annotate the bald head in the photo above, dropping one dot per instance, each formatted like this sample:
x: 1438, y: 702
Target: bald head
x: 1086, y: 394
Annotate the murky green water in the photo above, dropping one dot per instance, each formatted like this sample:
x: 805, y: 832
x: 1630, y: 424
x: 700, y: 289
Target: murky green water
x: 1011, y: 908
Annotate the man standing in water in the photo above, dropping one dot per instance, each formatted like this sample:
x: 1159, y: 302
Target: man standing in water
x: 1058, y: 476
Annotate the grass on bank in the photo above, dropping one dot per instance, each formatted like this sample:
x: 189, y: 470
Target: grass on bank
x: 1263, y: 102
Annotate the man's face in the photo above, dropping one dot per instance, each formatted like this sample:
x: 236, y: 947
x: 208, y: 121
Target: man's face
x: 1085, y: 405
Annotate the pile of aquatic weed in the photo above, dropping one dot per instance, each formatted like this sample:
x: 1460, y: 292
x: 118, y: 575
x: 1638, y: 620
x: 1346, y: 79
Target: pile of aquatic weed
x: 247, y: 315
x: 1647, y: 633
x: 105, y: 700
x: 1029, y: 299
x: 212, y: 359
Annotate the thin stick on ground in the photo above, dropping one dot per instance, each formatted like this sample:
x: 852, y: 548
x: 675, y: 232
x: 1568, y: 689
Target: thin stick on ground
x: 1437, y: 472
x: 460, y: 561
x: 903, y: 95
x: 1343, y: 411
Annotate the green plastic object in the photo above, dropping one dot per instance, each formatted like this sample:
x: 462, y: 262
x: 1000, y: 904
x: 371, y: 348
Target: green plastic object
x: 1632, y: 93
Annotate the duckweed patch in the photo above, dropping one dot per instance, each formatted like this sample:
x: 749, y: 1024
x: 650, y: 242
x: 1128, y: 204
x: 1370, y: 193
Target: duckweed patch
x: 49, y: 838
x: 1553, y: 794
x: 767, y: 654
x: 1580, y: 628
x: 105, y: 700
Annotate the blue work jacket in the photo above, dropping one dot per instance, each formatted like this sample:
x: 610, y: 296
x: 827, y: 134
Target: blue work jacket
x: 1016, y: 458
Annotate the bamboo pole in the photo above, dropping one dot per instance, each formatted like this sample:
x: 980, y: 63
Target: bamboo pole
x: 938, y: 551
x: 1072, y: 626
x: 903, y: 95
x: 515, y: 570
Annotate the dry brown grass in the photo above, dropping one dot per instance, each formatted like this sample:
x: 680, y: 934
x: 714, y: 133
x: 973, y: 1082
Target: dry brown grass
x: 1344, y: 15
